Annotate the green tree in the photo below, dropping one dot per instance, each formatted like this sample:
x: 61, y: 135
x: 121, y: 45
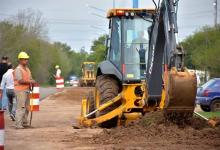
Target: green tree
x: 25, y: 33
x: 98, y: 50
x: 203, y: 49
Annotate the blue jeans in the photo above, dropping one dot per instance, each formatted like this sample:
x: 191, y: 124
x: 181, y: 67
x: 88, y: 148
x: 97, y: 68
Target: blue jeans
x: 4, y: 99
x: 11, y: 101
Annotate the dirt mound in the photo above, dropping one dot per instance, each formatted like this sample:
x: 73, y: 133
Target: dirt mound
x: 157, y: 118
x: 154, y: 130
x: 71, y: 94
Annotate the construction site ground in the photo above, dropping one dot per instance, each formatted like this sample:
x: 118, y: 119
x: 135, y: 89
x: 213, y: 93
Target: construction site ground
x: 52, y: 130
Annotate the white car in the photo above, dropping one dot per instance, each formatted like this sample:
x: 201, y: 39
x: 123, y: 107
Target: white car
x: 74, y: 81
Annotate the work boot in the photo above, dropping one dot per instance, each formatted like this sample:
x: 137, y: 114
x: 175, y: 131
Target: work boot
x: 12, y: 116
x: 19, y: 127
x: 26, y: 125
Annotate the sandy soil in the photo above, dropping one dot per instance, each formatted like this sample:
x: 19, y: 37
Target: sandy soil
x: 51, y: 130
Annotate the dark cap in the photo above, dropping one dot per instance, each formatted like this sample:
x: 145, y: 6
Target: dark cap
x: 4, y: 57
x: 10, y: 66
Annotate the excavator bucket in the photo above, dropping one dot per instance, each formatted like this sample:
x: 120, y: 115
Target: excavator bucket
x: 180, y: 98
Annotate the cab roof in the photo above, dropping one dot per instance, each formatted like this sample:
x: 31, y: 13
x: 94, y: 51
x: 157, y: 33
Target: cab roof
x: 123, y: 11
x: 88, y: 62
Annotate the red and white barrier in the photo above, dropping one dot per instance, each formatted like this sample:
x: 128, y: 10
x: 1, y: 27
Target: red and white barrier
x: 59, y: 82
x: 2, y: 130
x: 35, y: 98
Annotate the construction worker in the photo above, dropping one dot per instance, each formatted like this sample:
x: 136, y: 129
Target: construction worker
x: 23, y: 81
x: 58, y: 71
x: 8, y: 83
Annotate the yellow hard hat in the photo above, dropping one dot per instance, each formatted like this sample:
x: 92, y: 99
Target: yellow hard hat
x: 23, y: 55
x: 57, y: 66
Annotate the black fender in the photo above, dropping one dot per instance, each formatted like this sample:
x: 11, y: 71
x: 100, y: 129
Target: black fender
x: 108, y: 68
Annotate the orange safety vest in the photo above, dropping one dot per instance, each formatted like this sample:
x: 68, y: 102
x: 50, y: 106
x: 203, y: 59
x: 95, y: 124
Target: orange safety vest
x: 26, y: 76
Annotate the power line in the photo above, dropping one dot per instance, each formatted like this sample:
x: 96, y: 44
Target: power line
x: 197, y: 12
x: 96, y: 8
x: 72, y: 20
x: 202, y: 16
x: 96, y: 27
x: 58, y: 19
x: 71, y: 30
x: 74, y: 39
x: 73, y: 23
x: 103, y: 17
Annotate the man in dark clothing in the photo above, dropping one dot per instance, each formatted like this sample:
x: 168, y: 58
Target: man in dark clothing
x: 3, y: 66
x: 8, y: 84
x: 3, y: 70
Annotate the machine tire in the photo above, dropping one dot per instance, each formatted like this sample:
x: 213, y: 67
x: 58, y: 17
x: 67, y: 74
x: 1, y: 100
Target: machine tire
x: 205, y: 108
x: 91, y: 103
x: 215, y: 105
x: 107, y: 88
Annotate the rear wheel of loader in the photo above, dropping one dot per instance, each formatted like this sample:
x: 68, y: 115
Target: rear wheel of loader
x: 107, y: 88
x: 91, y: 104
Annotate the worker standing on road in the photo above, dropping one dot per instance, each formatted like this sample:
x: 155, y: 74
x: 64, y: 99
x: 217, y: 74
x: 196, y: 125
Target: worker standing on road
x: 23, y: 81
x: 3, y: 69
x: 58, y: 71
x: 8, y: 83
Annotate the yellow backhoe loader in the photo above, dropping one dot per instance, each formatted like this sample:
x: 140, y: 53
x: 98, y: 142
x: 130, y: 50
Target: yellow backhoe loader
x: 143, y: 70
x: 88, y: 74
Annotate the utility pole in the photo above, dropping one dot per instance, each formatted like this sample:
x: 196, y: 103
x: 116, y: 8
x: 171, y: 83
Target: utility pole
x: 113, y: 3
x: 135, y: 3
x: 215, y: 12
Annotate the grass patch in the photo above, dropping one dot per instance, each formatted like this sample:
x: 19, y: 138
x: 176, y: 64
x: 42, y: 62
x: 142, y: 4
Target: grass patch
x: 210, y: 114
x: 46, y: 85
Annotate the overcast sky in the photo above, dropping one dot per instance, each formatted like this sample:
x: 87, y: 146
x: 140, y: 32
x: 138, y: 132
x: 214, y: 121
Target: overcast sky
x: 77, y: 23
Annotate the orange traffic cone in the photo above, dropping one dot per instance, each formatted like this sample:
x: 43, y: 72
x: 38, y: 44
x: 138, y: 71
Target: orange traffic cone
x: 59, y: 82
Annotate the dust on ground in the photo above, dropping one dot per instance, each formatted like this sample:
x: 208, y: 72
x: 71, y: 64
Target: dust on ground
x: 52, y: 130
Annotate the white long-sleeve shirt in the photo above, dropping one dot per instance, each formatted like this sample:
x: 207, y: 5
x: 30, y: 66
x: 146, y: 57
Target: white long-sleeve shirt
x: 58, y: 73
x: 8, y: 80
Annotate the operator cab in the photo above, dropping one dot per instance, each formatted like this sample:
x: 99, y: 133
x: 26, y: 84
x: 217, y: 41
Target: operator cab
x: 88, y: 69
x: 89, y: 66
x: 128, y: 45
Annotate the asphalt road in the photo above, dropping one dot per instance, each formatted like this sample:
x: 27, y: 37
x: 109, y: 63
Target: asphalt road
x: 46, y: 91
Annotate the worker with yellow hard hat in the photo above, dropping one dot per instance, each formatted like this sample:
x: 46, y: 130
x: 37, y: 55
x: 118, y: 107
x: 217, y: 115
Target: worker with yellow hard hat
x: 57, y: 66
x: 58, y: 71
x: 23, y: 55
x: 23, y: 80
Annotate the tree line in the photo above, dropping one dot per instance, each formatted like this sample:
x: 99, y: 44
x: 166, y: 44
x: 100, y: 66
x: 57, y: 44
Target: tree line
x: 26, y: 32
x: 203, y: 50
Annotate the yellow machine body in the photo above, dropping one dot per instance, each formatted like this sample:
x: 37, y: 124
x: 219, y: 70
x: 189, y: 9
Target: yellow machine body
x: 124, y: 112
x: 179, y: 98
x: 88, y: 74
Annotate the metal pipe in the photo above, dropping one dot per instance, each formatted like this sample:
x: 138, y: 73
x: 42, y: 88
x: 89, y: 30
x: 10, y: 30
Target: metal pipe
x: 201, y: 116
x: 113, y: 3
x: 105, y: 105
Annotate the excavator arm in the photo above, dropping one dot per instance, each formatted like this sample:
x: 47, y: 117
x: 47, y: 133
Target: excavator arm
x: 179, y: 85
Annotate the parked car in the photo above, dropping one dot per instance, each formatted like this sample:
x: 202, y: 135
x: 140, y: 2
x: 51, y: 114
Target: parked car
x: 74, y: 81
x: 208, y: 95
